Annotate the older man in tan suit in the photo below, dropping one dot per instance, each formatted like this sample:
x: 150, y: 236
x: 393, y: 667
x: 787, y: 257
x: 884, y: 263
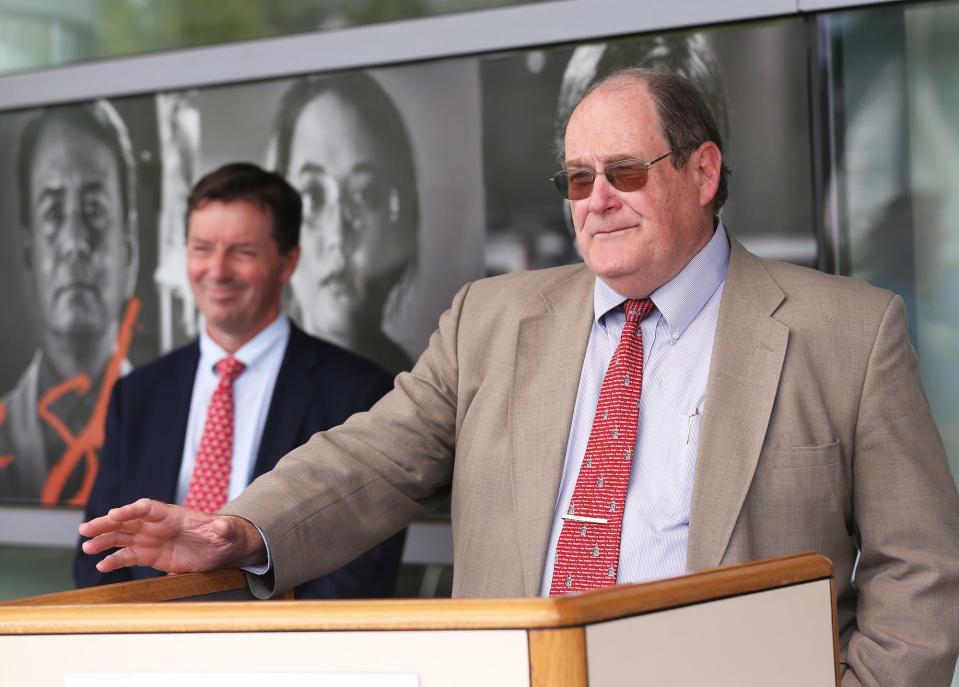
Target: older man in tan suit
x: 814, y: 434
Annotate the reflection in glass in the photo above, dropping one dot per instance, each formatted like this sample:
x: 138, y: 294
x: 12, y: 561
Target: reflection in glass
x: 56, y: 33
x: 897, y: 151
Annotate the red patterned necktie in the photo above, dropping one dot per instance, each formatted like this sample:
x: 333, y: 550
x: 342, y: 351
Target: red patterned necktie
x: 211, y: 473
x: 587, y: 552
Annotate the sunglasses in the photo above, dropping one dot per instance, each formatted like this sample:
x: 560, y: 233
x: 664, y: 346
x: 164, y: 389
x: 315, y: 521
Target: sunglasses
x: 623, y: 175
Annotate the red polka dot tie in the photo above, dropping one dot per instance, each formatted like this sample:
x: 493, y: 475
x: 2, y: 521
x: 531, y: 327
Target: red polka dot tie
x: 587, y: 552
x: 210, y: 484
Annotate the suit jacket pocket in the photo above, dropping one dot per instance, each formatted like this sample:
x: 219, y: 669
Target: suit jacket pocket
x: 799, y: 500
x: 804, y: 456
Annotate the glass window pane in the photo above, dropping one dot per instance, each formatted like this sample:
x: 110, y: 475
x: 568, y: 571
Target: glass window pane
x: 896, y: 123
x: 43, y: 33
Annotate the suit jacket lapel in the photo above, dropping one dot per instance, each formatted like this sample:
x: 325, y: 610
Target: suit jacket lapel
x: 551, y: 345
x: 294, y: 389
x: 744, y: 374
x: 166, y: 448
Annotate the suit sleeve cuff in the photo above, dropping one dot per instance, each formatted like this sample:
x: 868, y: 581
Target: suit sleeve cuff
x: 261, y: 568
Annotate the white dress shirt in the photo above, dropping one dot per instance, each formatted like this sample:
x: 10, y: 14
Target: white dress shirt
x: 677, y: 345
x: 252, y: 393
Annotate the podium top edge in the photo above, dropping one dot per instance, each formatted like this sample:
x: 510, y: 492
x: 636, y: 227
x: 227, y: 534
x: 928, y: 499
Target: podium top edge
x: 415, y: 614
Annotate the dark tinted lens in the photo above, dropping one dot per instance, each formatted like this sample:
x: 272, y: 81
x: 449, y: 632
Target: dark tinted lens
x: 627, y: 175
x: 574, y: 184
x: 561, y: 180
x: 579, y: 183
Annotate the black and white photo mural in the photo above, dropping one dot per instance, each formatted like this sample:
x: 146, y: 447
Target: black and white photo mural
x: 416, y: 179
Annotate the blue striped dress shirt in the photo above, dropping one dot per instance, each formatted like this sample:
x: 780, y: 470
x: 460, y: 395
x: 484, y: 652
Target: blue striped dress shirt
x: 677, y: 346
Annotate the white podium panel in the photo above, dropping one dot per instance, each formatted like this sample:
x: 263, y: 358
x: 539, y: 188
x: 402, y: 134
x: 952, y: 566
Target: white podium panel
x: 435, y: 658
x: 780, y: 636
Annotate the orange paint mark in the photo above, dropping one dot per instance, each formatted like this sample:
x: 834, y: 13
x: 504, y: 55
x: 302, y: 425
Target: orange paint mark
x: 84, y: 446
x: 6, y: 458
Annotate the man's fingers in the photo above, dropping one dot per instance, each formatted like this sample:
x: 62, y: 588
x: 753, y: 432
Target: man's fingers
x: 140, y: 531
x: 121, y: 517
x: 142, y: 509
x: 118, y: 559
x: 107, y: 541
x: 92, y: 528
x: 95, y: 545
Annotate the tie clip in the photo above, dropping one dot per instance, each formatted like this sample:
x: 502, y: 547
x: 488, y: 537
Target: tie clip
x: 581, y: 518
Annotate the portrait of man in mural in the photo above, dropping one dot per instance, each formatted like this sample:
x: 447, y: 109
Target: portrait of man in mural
x: 342, y: 143
x: 76, y: 190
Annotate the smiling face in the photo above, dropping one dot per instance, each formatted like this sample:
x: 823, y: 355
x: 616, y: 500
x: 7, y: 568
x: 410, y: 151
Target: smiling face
x: 352, y: 236
x: 637, y: 241
x: 235, y: 269
x: 78, y: 248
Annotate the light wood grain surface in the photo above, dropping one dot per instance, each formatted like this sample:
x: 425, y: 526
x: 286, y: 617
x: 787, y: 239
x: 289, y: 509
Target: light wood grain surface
x: 36, y: 616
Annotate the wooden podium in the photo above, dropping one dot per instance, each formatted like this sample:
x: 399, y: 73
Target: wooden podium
x: 768, y: 622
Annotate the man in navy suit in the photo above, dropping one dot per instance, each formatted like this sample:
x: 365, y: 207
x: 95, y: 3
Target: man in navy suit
x: 242, y: 248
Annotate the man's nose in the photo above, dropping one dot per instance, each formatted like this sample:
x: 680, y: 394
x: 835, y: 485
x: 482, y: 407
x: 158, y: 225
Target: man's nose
x: 334, y: 240
x: 75, y: 239
x: 219, y: 266
x: 602, y: 197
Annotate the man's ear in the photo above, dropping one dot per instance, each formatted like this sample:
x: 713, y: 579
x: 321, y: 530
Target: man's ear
x: 708, y: 162
x: 292, y: 259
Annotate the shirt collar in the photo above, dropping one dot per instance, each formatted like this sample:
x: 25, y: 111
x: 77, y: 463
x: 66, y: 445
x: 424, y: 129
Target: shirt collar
x: 252, y: 351
x: 681, y: 298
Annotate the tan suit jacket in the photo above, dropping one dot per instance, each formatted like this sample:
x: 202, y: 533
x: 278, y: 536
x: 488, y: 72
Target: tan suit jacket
x: 816, y: 436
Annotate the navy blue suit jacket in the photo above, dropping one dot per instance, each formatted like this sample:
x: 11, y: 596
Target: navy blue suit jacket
x: 318, y: 387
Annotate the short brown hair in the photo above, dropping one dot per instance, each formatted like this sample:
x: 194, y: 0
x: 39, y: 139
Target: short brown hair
x: 268, y: 190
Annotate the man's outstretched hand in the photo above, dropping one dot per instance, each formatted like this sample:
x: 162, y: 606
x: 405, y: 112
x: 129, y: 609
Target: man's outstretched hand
x: 172, y: 538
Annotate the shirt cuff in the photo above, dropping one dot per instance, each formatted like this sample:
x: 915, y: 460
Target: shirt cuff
x: 261, y: 568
